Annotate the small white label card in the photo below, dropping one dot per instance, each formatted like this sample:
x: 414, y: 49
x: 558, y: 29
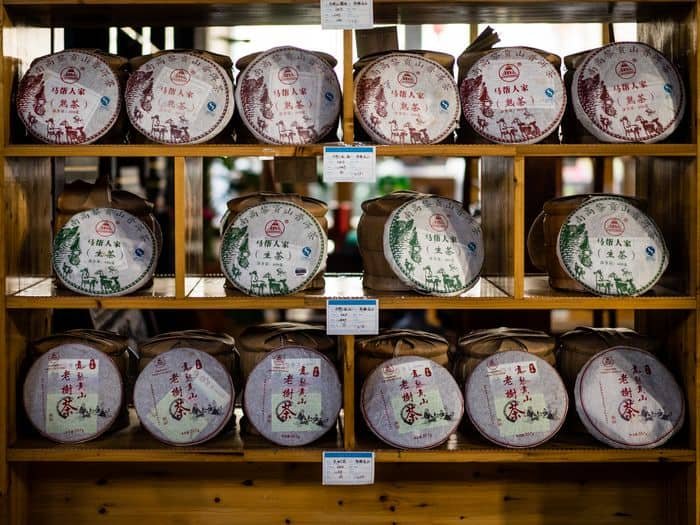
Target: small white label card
x: 349, y: 164
x: 348, y: 468
x: 347, y: 14
x: 352, y: 316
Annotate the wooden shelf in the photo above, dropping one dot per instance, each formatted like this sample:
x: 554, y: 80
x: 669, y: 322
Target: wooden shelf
x: 210, y: 293
x: 134, y: 444
x: 236, y: 12
x: 271, y: 150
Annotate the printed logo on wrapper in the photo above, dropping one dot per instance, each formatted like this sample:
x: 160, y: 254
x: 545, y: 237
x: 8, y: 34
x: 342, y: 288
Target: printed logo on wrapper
x: 411, y: 402
x: 179, y: 98
x: 402, y: 98
x: 184, y: 397
x: 628, y: 92
x: 513, y: 96
x: 60, y: 99
x: 612, y: 248
x: 626, y: 398
x: 73, y: 393
x: 293, y: 396
x: 434, y: 246
x: 288, y: 96
x: 516, y: 399
x: 273, y: 248
x: 104, y: 251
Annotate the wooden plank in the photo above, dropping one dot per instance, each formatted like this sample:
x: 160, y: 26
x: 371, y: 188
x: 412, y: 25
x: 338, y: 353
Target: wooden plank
x: 18, y: 496
x: 194, y: 221
x: 518, y: 227
x: 289, y: 494
x: 180, y: 227
x: 347, y: 344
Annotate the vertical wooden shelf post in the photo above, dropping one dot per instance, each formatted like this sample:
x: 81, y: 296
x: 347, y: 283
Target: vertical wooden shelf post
x: 347, y: 345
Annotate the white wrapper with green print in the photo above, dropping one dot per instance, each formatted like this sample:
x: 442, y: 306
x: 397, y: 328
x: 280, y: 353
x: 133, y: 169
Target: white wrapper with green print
x: 434, y: 246
x: 612, y: 248
x: 273, y: 248
x: 104, y: 252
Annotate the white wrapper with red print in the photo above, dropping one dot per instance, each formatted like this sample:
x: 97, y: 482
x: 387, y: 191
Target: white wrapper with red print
x: 513, y: 96
x: 627, y: 399
x: 628, y: 92
x: 71, y: 97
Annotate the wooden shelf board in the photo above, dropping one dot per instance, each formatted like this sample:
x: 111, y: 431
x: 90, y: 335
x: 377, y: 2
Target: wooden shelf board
x: 210, y: 293
x: 237, y: 12
x: 271, y: 150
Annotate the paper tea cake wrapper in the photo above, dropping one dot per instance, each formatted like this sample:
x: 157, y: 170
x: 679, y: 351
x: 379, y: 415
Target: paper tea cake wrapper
x: 273, y: 248
x: 184, y: 396
x: 513, y: 95
x: 70, y: 97
x: 434, y: 246
x: 180, y: 98
x: 611, y: 247
x: 628, y: 92
x: 403, y: 98
x: 626, y: 398
x: 104, y: 252
x: 73, y: 393
x: 288, y: 96
x: 516, y: 399
x: 293, y: 396
x: 411, y: 402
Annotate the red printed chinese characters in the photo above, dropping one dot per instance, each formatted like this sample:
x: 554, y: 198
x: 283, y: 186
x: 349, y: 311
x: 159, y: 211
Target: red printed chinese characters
x: 180, y: 98
x: 293, y: 396
x: 411, y: 402
x: 516, y: 399
x: 71, y: 97
x: 403, y: 98
x: 628, y: 92
x: 184, y: 396
x: 627, y: 399
x: 73, y: 393
x: 288, y: 96
x: 513, y: 96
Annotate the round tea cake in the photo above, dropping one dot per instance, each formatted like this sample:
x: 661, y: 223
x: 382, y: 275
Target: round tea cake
x: 402, y: 98
x: 179, y: 98
x: 627, y: 399
x: 411, y: 402
x: 434, y: 246
x: 611, y: 247
x: 628, y: 92
x: 293, y: 396
x: 70, y: 97
x: 273, y: 248
x: 516, y: 399
x: 513, y: 95
x: 104, y: 252
x: 288, y: 96
x: 73, y: 393
x: 184, y: 396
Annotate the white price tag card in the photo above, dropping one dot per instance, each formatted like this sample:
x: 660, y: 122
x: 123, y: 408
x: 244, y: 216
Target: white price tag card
x: 349, y: 164
x: 352, y: 316
x: 347, y: 14
x: 348, y: 468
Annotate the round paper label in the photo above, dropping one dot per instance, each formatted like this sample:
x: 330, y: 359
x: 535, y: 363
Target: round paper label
x: 612, y: 248
x: 516, y: 399
x: 273, y: 248
x: 184, y: 396
x: 71, y: 97
x: 104, y: 251
x: 179, y: 98
x: 293, y: 396
x: 434, y: 246
x: 73, y: 393
x: 288, y: 96
x: 628, y: 92
x: 513, y: 96
x: 411, y: 402
x: 402, y: 98
x: 626, y: 398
